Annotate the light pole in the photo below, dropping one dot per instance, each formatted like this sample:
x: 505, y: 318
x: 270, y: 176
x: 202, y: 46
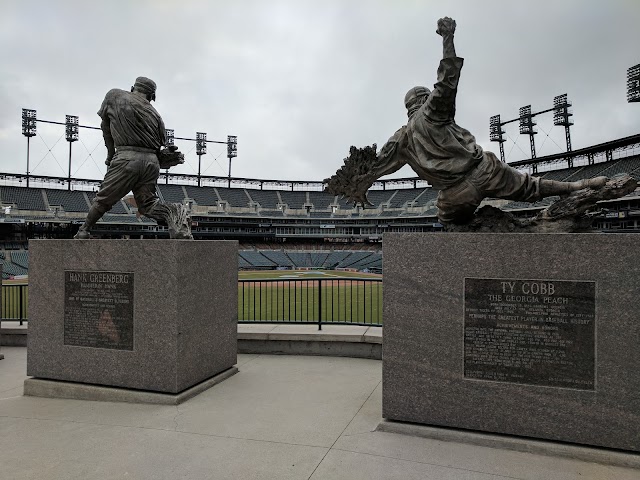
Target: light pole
x: 71, y: 134
x: 495, y: 133
x: 28, y: 130
x: 170, y: 134
x: 232, y: 151
x: 201, y: 149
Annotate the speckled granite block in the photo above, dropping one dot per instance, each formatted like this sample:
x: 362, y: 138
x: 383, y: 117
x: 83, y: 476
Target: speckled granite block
x: 184, y: 312
x: 424, y: 345
x: 1, y: 266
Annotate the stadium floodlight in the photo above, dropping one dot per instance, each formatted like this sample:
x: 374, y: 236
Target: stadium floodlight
x: 562, y: 116
x: 496, y: 132
x: 71, y: 134
x: 232, y: 146
x: 170, y: 134
x: 28, y: 122
x: 201, y: 143
x: 633, y: 84
x: 71, y: 128
x: 527, y: 127
x: 232, y: 151
x: 201, y: 149
x: 29, y: 118
x: 561, y: 112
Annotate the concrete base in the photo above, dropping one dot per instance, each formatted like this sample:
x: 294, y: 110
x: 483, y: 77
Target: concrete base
x: 310, y: 347
x: 520, y: 444
x: 13, y: 337
x: 37, y: 387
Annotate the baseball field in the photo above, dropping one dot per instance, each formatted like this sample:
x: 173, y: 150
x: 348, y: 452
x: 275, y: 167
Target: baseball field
x: 296, y: 296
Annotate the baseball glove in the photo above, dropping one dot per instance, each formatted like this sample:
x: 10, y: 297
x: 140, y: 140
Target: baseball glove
x: 170, y: 157
x: 354, y: 178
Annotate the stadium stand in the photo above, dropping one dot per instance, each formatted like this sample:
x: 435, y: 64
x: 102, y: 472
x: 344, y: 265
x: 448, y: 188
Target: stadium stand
x: 118, y: 209
x: 321, y: 200
x: 318, y: 238
x: 108, y: 217
x: 318, y: 259
x: 353, y: 259
x: 278, y: 257
x: 297, y: 259
x: 557, y: 174
x: 202, y: 195
x: 300, y: 259
x: 402, y: 197
x: 334, y: 258
x: 256, y: 259
x: 624, y: 165
x: 376, y: 197
x: 266, y: 198
x: 235, y: 197
x: 588, y: 171
x: 24, y: 198
x: 70, y: 201
x: 294, y: 199
x: 242, y: 263
x: 428, y: 195
x: 10, y: 269
x: 20, y: 258
x: 171, y: 193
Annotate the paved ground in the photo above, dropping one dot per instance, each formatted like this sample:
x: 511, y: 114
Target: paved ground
x: 281, y: 417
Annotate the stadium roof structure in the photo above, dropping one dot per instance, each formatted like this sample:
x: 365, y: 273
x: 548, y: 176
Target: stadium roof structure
x: 596, y: 153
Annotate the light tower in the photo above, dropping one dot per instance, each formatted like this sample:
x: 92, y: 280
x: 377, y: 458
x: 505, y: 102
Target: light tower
x: 561, y: 117
x: 28, y: 130
x: 232, y: 151
x: 170, y: 135
x: 71, y: 134
x: 527, y: 127
x: 495, y: 133
x: 201, y: 149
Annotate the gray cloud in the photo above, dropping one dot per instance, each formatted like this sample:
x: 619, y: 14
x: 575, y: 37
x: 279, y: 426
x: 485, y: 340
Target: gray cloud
x: 301, y: 81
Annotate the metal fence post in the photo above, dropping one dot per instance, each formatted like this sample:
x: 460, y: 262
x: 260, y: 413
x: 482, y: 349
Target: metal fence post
x: 20, y: 310
x: 320, y: 304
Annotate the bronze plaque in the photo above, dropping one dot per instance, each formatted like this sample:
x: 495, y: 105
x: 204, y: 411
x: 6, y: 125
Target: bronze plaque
x: 537, y: 332
x: 98, y: 309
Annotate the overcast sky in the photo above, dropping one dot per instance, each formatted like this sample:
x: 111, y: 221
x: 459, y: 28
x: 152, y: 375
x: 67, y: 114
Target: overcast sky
x: 300, y: 81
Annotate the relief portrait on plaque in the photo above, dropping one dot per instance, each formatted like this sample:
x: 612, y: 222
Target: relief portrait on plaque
x: 107, y: 328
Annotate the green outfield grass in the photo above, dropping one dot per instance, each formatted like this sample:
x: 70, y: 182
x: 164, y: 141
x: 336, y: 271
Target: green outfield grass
x: 297, y: 297
x: 13, y: 300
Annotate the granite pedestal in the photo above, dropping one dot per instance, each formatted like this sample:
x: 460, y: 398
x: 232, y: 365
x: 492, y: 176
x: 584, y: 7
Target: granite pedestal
x: 531, y: 335
x: 1, y: 267
x: 150, y: 315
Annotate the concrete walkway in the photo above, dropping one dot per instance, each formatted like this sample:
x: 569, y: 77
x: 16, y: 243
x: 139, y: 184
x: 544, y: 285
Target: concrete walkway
x: 281, y: 417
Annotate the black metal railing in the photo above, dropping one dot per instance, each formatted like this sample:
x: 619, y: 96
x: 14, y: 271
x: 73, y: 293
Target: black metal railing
x: 15, y: 299
x: 314, y: 301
